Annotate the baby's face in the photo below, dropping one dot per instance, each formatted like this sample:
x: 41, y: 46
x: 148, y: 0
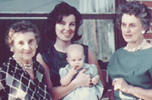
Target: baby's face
x: 76, y: 60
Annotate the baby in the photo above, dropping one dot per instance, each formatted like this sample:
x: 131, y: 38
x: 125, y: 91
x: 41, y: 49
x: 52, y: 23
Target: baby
x: 75, y: 58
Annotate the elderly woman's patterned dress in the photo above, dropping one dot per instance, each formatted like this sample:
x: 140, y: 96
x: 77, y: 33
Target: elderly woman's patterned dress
x: 15, y: 83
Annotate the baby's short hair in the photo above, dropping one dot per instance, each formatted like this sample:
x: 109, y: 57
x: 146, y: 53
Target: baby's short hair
x: 74, y: 48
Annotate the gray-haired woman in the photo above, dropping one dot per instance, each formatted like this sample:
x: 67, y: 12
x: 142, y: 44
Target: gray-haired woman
x: 21, y: 77
x: 130, y: 67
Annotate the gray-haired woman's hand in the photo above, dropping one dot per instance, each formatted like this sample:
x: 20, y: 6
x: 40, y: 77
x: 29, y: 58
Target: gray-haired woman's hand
x: 121, y: 84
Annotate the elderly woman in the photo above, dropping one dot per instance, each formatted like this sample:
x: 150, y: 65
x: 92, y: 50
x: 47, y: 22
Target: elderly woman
x: 21, y: 77
x: 130, y: 67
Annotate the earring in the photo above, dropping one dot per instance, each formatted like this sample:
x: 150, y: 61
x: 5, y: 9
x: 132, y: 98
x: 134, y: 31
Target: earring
x: 36, y: 46
x: 11, y: 49
x: 143, y: 32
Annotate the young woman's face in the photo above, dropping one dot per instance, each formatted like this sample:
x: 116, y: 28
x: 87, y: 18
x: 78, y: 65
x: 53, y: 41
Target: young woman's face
x: 65, y: 30
x: 24, y: 46
x: 131, y: 28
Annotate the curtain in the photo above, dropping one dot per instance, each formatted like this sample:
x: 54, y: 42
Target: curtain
x: 96, y: 6
x: 99, y: 36
x: 96, y: 33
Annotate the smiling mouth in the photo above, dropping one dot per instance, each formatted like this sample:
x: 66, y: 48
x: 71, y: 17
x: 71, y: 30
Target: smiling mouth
x: 67, y: 33
x: 128, y: 36
x: 27, y: 53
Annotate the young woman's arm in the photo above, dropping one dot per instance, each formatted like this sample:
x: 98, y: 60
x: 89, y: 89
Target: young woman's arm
x: 59, y: 92
x: 93, y: 60
x: 46, y: 68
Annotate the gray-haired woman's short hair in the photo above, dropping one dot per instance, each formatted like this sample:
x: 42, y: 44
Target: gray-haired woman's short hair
x: 21, y: 26
x: 141, y: 11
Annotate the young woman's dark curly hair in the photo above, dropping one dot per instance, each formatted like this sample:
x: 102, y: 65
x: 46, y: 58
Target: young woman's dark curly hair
x: 135, y: 8
x: 60, y: 10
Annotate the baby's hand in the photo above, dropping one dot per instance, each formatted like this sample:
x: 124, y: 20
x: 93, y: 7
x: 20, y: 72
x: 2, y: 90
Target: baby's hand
x: 72, y: 71
x: 95, y: 80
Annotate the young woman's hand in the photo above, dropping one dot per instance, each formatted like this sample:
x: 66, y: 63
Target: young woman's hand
x: 96, y: 79
x: 83, y: 79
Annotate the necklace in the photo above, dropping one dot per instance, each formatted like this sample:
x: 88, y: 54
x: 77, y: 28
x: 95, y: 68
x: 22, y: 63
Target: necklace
x: 26, y: 66
x: 136, y: 49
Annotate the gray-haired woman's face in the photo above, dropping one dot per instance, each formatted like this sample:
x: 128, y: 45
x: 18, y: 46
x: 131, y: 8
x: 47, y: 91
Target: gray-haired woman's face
x: 24, y: 46
x: 132, y: 29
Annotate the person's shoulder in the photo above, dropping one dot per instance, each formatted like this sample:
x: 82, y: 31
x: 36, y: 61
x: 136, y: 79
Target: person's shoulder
x: 4, y: 67
x: 92, y: 69
x: 9, y: 62
x: 67, y: 66
x: 86, y: 65
x: 8, y: 66
x: 46, y: 47
x: 119, y: 50
x: 3, y: 72
x: 64, y: 69
x: 83, y: 45
x: 38, y: 66
x: 48, y: 51
x: 117, y: 53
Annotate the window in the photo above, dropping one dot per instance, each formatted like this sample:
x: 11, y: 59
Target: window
x: 98, y: 29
